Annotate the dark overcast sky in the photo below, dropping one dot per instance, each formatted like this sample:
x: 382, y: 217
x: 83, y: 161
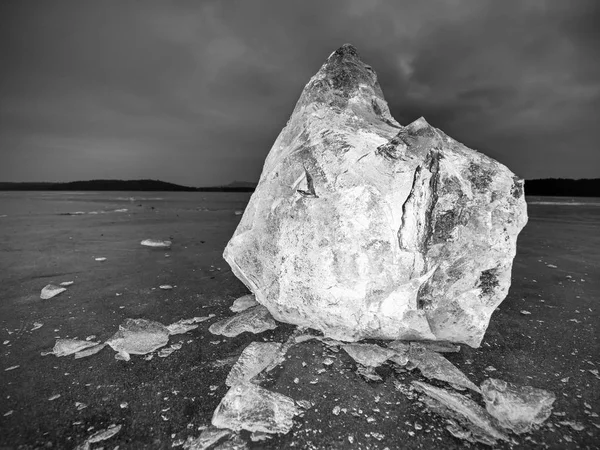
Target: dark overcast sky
x: 196, y: 92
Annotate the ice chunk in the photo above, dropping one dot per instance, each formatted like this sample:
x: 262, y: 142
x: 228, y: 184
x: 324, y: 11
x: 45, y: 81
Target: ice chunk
x: 89, y: 351
x: 255, y: 358
x: 138, y: 337
x: 50, y: 291
x: 243, y: 303
x: 65, y: 347
x: 164, y: 352
x: 99, y: 436
x: 518, y: 408
x: 185, y: 325
x: 208, y: 437
x: 434, y: 365
x: 67, y: 283
x: 369, y: 355
x: 100, y: 259
x: 155, y: 243
x: 165, y: 287
x: 254, y: 320
x: 250, y: 407
x: 37, y: 325
x: 456, y: 406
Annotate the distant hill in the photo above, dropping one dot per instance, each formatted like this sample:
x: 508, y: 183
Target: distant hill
x: 243, y: 184
x: 563, y: 187
x: 120, y: 185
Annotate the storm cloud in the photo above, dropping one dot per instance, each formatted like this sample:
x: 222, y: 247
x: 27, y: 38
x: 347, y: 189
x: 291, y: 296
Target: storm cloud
x: 196, y: 92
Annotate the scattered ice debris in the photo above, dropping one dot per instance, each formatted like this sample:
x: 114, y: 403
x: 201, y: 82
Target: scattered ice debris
x: 99, y: 436
x: 594, y: 372
x: 6, y: 342
x: 255, y: 358
x: 304, y: 404
x: 166, y: 287
x: 574, y: 425
x: 12, y: 368
x: 243, y: 303
x: 185, y: 325
x: 253, y: 408
x: 552, y: 266
x: 89, y: 351
x: 434, y: 365
x: 80, y: 406
x: 37, y: 325
x: 478, y: 423
x: 138, y: 337
x: 254, y: 320
x: 490, y: 369
x: 207, y: 438
x: 258, y: 436
x: 156, y: 243
x: 368, y: 373
x: 8, y: 413
x: 124, y: 405
x: 336, y: 410
x: 66, y: 347
x: 525, y: 313
x: 518, y: 408
x: 100, y: 259
x: 90, y: 337
x: 54, y: 397
x: 50, y: 291
x: 164, y: 352
x: 238, y: 212
x: 67, y: 283
x: 369, y: 355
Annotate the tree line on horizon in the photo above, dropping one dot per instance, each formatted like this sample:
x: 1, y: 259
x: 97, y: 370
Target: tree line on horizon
x: 559, y: 187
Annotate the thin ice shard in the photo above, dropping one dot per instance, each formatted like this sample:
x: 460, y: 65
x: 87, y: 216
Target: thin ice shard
x: 156, y: 243
x: 369, y: 355
x: 50, y: 291
x: 250, y: 407
x: 517, y: 408
x: 243, y: 303
x: 434, y: 365
x: 255, y: 358
x: 99, y: 436
x: 89, y: 351
x: 254, y: 320
x: 138, y: 337
x: 66, y: 347
x: 208, y: 437
x: 457, y: 406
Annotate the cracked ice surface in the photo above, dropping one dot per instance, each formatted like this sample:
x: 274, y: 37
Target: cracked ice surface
x: 138, y: 337
x: 253, y: 408
x: 518, y: 408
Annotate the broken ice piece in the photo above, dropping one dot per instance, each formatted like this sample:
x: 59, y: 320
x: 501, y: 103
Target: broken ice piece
x: 517, y: 408
x: 368, y: 373
x: 258, y: 436
x: 253, y: 408
x: 37, y: 325
x: 54, y: 397
x: 524, y: 312
x: 89, y: 351
x: 369, y: 355
x: 180, y: 327
x: 11, y: 368
x: 155, y: 243
x: 434, y: 365
x: 80, y: 406
x: 103, y: 435
x: 165, y: 287
x: 457, y: 406
x: 100, y: 259
x: 207, y: 438
x: 66, y: 347
x: 50, y: 291
x: 67, y: 283
x: 138, y: 337
x: 255, y: 358
x: 254, y: 320
x: 243, y: 303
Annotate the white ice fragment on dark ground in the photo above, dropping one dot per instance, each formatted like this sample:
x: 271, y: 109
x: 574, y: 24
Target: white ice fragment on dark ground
x: 243, y: 303
x: 490, y: 369
x: 524, y: 312
x: 80, y: 406
x: 6, y: 342
x: 99, y: 436
x: 369, y: 355
x: 166, y: 287
x: 238, y: 212
x: 12, y: 368
x: 456, y: 406
x: 207, y: 438
x: 304, y: 337
x: 54, y: 397
x: 50, y: 291
x: 138, y: 337
x: 37, y: 325
x: 552, y: 266
x: 66, y: 347
x: 100, y: 259
x: 594, y: 372
x: 164, y: 352
x: 518, y: 408
x: 254, y: 320
x: 336, y: 410
x: 574, y: 425
x: 434, y: 365
x: 8, y: 413
x: 255, y: 358
x: 67, y: 283
x: 185, y: 325
x: 368, y: 373
x: 89, y: 351
x: 258, y: 436
x: 155, y: 243
x: 124, y: 405
x: 253, y: 408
